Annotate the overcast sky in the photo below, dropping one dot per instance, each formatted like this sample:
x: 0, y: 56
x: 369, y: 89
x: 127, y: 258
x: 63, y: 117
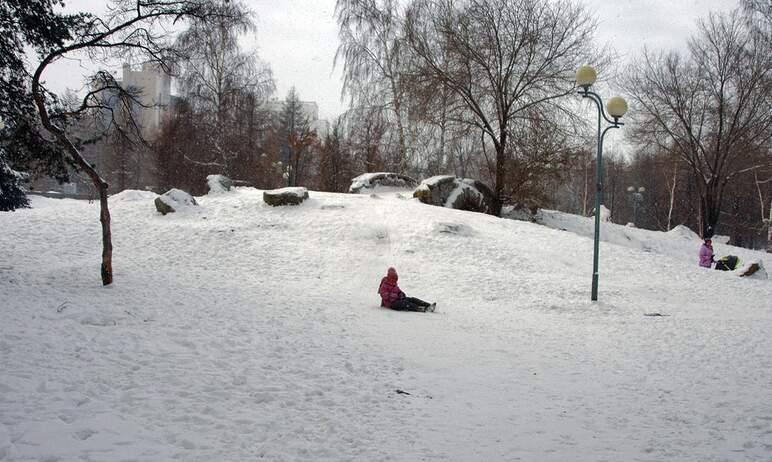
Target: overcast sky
x: 298, y: 38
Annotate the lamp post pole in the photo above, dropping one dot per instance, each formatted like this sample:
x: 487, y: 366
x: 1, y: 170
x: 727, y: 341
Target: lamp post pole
x: 616, y: 106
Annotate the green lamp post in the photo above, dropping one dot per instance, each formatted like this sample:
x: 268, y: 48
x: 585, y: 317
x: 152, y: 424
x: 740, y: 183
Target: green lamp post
x: 616, y: 107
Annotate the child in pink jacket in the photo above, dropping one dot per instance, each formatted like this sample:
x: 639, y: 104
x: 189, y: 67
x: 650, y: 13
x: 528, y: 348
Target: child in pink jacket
x: 392, y: 297
x: 706, y: 253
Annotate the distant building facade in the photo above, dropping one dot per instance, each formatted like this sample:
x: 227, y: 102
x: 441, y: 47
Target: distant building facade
x: 122, y: 167
x: 154, y: 87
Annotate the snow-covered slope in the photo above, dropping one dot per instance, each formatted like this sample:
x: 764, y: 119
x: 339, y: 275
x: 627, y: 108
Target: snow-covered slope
x: 679, y: 243
x: 238, y: 331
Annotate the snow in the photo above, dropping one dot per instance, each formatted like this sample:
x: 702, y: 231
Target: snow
x: 680, y: 242
x: 605, y: 214
x: 255, y: 333
x: 130, y: 195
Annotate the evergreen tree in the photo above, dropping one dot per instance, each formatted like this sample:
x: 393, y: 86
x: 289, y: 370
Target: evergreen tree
x: 22, y: 23
x: 296, y: 138
x: 12, y: 194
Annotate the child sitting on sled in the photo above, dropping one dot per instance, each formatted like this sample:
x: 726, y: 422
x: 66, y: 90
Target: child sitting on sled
x: 392, y: 297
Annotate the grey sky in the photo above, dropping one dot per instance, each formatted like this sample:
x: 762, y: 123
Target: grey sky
x: 298, y: 38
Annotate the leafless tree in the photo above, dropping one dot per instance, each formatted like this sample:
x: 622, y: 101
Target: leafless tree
x: 336, y: 161
x: 500, y: 58
x: 219, y: 79
x: 133, y: 27
x: 712, y: 107
x: 375, y: 62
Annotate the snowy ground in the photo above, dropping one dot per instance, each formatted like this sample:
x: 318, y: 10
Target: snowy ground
x: 237, y: 331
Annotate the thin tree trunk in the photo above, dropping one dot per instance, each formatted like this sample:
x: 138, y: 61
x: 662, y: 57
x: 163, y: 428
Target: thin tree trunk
x: 769, y: 229
x: 402, y: 161
x: 498, y: 190
x: 709, y: 210
x: 672, y: 197
x: 100, y: 184
x: 107, y: 238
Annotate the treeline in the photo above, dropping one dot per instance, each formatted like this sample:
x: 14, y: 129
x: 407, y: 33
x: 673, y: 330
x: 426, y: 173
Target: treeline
x: 482, y: 89
x: 485, y: 89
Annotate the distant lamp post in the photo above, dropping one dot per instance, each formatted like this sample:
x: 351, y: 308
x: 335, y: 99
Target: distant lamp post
x: 616, y: 107
x: 636, y: 195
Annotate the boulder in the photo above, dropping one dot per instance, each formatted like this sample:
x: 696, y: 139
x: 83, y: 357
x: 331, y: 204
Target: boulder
x: 285, y: 196
x: 525, y: 211
x: 174, y: 200
x: 456, y: 193
x: 369, y: 182
x: 218, y: 183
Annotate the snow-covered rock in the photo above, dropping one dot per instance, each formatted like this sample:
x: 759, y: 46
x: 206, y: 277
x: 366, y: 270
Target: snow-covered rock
x: 520, y: 213
x: 285, y: 196
x: 456, y: 193
x: 218, y: 184
x: 377, y: 182
x: 173, y: 201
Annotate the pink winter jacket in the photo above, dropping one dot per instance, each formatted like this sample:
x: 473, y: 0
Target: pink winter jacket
x: 389, y: 291
x: 706, y: 255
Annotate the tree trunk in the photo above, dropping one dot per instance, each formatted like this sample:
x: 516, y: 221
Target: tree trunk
x: 402, y: 160
x: 107, y: 240
x: 672, y: 197
x: 769, y: 229
x: 498, y: 189
x: 100, y: 184
x: 709, y: 211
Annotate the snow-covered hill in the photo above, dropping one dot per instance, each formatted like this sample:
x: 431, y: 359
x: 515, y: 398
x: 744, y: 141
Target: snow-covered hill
x: 238, y: 331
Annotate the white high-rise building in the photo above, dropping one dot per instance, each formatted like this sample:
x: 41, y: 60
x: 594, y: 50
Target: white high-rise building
x: 154, y: 88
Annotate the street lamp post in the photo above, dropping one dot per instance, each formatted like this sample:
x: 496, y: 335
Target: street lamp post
x: 616, y: 107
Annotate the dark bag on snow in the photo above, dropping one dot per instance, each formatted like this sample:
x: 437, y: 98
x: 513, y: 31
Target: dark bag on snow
x: 728, y: 263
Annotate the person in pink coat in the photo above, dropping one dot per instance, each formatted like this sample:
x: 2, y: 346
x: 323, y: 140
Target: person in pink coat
x: 706, y: 253
x: 393, y: 297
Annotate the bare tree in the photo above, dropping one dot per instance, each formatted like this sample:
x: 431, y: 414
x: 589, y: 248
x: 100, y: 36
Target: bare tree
x: 335, y: 163
x: 375, y: 60
x: 217, y: 78
x: 365, y: 129
x: 293, y: 139
x: 711, y: 108
x: 500, y: 58
x: 134, y: 27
